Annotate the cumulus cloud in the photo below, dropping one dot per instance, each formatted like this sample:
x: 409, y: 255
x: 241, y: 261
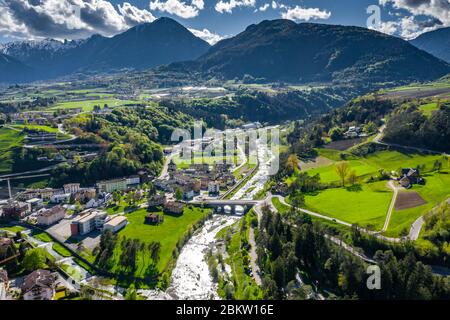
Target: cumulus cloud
x: 228, y: 6
x: 276, y: 5
x: 439, y: 9
x: 178, y: 7
x: 133, y: 15
x: 210, y: 37
x: 437, y: 13
x: 263, y: 7
x: 298, y: 13
x: 72, y: 19
x: 389, y: 27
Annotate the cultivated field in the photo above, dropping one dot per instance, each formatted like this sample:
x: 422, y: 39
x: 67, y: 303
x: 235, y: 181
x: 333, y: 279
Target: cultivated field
x: 8, y: 140
x: 407, y: 200
x: 88, y: 105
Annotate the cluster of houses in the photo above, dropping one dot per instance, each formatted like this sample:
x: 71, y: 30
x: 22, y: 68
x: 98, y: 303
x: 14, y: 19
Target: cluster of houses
x: 42, y: 117
x: 196, y: 178
x: 34, y: 200
x: 38, y: 285
x: 354, y: 132
x: 169, y: 206
x: 409, y: 176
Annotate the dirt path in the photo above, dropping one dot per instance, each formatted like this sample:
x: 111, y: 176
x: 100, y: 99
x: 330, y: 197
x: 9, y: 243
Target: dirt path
x: 394, y: 188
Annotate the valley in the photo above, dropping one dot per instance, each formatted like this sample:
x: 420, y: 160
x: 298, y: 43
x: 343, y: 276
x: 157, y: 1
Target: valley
x: 315, y: 172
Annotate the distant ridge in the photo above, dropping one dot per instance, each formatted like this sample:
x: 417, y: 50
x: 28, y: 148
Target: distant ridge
x: 282, y: 50
x: 144, y: 46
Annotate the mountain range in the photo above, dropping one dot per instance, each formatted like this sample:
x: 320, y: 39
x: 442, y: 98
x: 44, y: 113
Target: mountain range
x: 282, y: 50
x: 275, y: 50
x: 436, y: 42
x: 144, y: 46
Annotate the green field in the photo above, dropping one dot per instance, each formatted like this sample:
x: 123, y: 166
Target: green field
x: 366, y: 206
x: 435, y: 190
x: 47, y: 129
x: 9, y: 139
x: 88, y: 105
x: 61, y: 250
x: 371, y: 164
x: 14, y: 229
x: 244, y: 285
x: 168, y: 234
x: 428, y: 108
x: 42, y: 236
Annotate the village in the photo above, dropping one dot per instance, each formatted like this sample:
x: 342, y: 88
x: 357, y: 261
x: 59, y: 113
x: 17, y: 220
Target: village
x: 76, y: 216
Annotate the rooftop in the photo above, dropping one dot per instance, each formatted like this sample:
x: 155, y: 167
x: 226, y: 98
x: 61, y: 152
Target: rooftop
x: 117, y: 220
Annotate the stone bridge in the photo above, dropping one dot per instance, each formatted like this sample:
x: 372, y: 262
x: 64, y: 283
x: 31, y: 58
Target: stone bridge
x: 222, y: 205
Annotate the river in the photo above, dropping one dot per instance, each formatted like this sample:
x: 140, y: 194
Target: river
x: 190, y: 278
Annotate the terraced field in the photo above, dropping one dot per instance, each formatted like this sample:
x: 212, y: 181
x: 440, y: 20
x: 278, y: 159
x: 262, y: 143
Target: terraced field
x: 88, y: 105
x: 8, y: 140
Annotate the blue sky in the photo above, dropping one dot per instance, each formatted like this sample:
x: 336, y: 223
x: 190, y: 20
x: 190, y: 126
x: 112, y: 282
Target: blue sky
x: 209, y: 19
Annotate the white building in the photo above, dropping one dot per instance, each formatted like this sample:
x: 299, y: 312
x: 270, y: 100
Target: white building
x: 110, y: 186
x: 115, y: 224
x: 60, y: 198
x: 133, y: 180
x: 213, y: 188
x: 48, y: 217
x: 35, y: 203
x: 71, y: 188
x: 88, y: 221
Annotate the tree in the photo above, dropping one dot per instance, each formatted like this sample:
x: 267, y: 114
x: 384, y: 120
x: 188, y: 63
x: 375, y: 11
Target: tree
x: 178, y: 194
x: 292, y: 163
x: 370, y: 127
x: 117, y: 197
x: 155, y: 249
x: 437, y: 166
x: 336, y: 134
x: 342, y: 169
x: 131, y: 293
x: 352, y: 177
x: 34, y: 259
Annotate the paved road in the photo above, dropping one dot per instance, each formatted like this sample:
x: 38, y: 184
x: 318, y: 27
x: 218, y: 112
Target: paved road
x: 318, y: 215
x: 350, y: 249
x: 379, y: 137
x: 415, y: 229
x: 18, y: 174
x: 164, y: 172
x: 335, y: 240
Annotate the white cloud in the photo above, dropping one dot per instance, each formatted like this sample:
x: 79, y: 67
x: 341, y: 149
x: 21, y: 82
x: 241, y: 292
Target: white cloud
x: 210, y: 37
x: 264, y: 7
x: 179, y: 7
x: 389, y: 27
x: 228, y: 6
x: 305, y: 14
x: 276, y: 5
x: 133, y: 15
x: 72, y: 19
x: 409, y: 27
x: 438, y: 9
